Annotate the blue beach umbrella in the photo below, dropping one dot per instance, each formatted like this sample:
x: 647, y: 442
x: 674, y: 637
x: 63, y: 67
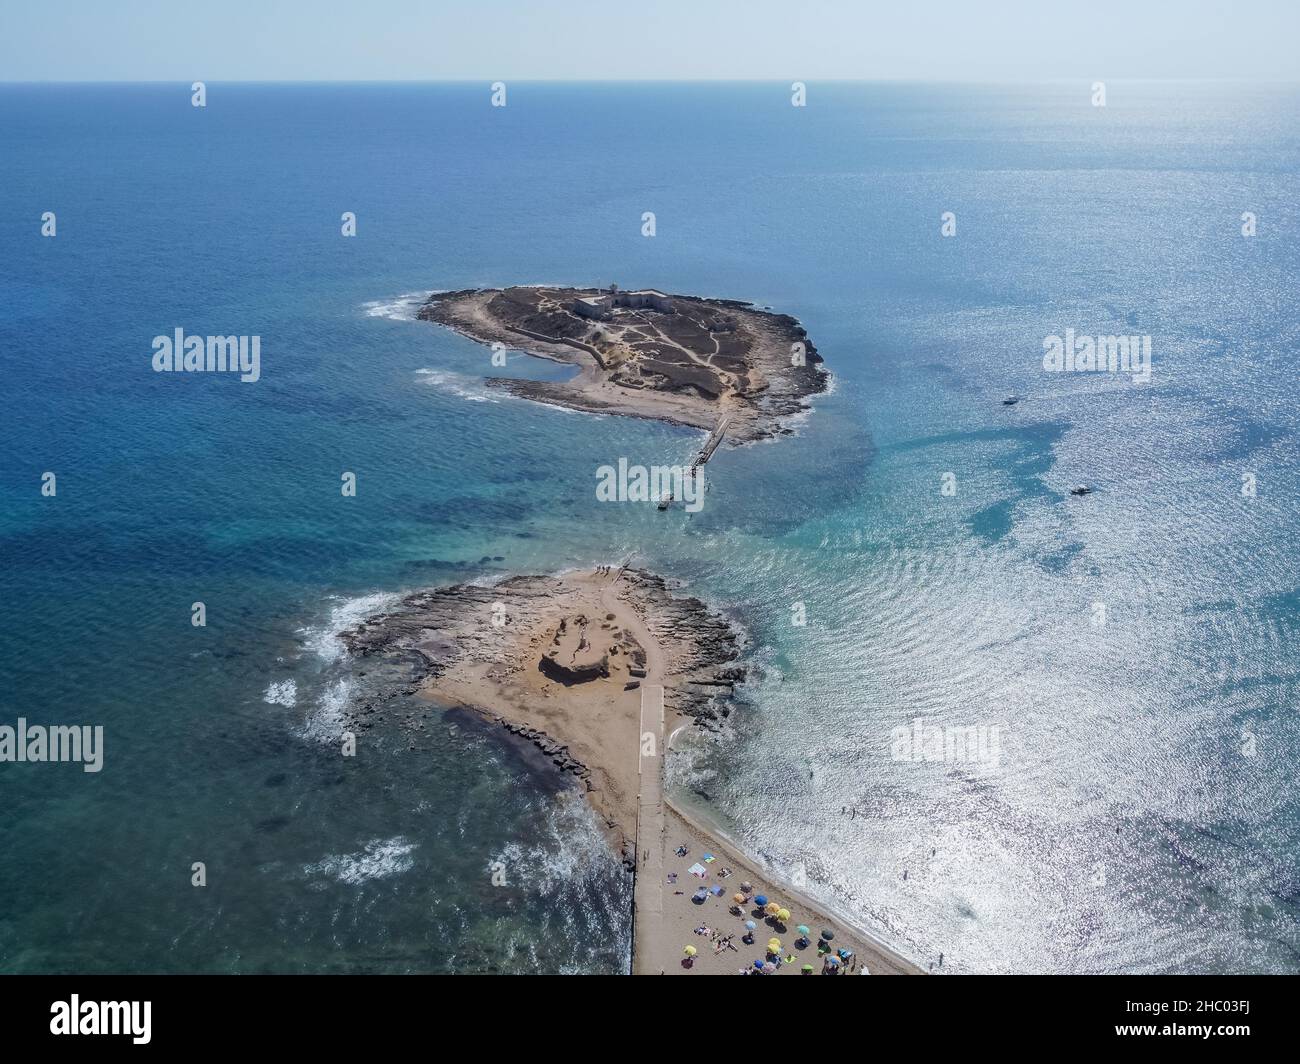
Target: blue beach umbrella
x: 760, y: 900
x: 750, y: 925
x: 758, y: 964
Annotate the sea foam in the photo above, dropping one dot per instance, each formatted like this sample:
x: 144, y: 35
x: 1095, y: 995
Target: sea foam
x: 397, y: 308
x: 378, y: 859
x: 281, y: 693
x: 458, y: 384
x: 323, y: 640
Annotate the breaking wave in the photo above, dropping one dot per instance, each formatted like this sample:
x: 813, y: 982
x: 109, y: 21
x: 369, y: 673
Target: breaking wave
x: 378, y: 859
x: 458, y: 384
x: 399, y: 308
x: 281, y: 693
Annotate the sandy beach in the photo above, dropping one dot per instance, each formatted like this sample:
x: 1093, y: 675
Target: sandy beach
x: 660, y: 947
x: 597, y: 669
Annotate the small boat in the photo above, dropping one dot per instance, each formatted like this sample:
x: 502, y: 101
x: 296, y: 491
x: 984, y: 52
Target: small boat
x: 666, y: 502
x: 1082, y: 489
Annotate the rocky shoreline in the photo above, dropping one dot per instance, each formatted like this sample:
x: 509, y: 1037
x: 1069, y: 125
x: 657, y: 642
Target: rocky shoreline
x: 439, y: 628
x: 561, y: 666
x: 558, y: 662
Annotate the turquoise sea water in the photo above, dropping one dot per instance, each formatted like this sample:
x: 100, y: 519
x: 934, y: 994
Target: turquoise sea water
x: 1124, y: 827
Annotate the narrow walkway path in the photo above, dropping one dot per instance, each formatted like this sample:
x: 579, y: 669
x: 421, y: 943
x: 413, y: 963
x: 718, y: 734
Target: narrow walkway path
x: 648, y: 900
x: 715, y: 438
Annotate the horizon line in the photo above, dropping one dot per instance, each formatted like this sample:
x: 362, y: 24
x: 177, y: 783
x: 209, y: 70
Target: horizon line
x: 488, y: 80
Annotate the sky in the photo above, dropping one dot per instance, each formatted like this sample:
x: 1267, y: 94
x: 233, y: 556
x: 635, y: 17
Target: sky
x: 381, y: 40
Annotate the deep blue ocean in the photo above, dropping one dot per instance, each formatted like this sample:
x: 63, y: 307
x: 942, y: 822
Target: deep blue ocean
x: 1143, y: 814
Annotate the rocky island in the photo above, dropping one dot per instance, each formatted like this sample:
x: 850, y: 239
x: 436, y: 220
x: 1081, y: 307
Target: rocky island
x: 600, y: 671
x: 566, y: 656
x: 715, y: 364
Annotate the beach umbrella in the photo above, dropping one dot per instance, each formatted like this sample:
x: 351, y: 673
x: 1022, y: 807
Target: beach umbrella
x: 774, y: 945
x: 783, y: 915
x: 747, y: 886
x: 738, y: 898
x: 690, y: 951
x: 832, y: 960
x: 761, y: 899
x: 771, y: 908
x: 750, y: 925
x: 759, y: 965
x: 845, y: 954
x: 827, y: 935
x: 807, y: 969
x: 803, y: 929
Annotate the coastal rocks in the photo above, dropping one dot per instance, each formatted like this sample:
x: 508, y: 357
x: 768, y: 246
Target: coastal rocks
x: 556, y: 751
x: 704, y: 648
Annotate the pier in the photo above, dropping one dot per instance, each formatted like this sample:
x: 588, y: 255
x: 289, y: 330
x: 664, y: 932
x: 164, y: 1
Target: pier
x: 715, y: 438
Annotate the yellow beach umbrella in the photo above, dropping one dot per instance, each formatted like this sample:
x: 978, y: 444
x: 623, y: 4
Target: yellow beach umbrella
x: 774, y: 945
x: 783, y: 915
x: 690, y: 951
x: 771, y: 908
x: 739, y: 899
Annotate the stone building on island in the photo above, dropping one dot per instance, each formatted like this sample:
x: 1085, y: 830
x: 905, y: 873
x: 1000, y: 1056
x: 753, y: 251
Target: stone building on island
x: 600, y: 307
